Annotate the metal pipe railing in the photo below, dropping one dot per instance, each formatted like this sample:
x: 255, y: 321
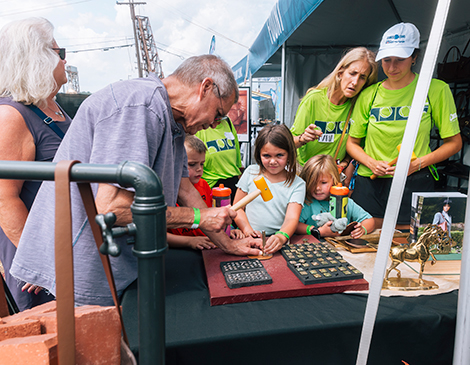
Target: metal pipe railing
x: 148, y: 212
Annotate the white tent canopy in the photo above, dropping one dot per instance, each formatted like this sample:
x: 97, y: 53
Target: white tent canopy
x: 317, y: 32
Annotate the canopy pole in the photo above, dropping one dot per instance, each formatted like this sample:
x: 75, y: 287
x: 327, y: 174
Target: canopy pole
x: 283, y: 83
x: 399, y: 178
x: 462, y: 332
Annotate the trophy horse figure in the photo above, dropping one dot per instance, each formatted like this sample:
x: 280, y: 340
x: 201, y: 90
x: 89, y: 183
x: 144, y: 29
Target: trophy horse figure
x: 418, y: 251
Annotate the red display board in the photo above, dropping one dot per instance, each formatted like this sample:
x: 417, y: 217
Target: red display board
x: 285, y: 284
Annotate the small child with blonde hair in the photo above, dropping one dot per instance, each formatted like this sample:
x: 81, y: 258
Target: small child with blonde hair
x: 320, y: 174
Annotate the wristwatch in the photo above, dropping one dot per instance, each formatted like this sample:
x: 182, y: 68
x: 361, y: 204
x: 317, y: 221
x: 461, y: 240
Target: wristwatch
x: 315, y: 233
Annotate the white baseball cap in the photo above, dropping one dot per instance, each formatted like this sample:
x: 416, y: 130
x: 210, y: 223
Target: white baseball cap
x: 399, y: 41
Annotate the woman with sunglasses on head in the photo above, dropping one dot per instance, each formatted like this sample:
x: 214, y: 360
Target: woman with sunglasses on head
x: 380, y: 118
x: 32, y: 70
x: 323, y: 113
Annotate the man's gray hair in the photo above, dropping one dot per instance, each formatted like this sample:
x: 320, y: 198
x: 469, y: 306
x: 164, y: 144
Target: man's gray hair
x: 195, y: 69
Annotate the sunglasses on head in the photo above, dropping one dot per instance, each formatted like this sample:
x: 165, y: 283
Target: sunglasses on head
x: 61, y: 52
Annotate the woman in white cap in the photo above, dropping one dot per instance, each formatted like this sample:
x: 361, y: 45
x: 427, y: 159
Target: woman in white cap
x: 379, y: 121
x: 321, y: 116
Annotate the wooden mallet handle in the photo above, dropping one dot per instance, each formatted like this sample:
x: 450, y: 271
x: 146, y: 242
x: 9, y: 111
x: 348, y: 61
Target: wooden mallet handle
x: 247, y: 199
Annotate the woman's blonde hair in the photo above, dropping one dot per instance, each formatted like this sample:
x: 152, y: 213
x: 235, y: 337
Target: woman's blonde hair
x: 333, y: 80
x: 281, y: 137
x: 314, y: 168
x: 27, y: 60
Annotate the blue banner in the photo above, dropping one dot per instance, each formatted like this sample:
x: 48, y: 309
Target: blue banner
x: 212, y: 47
x: 285, y: 18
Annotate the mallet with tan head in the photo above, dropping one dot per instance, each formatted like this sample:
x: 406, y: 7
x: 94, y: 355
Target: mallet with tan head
x: 262, y: 190
x: 394, y: 161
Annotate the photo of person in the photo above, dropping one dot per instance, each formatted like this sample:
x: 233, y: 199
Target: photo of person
x: 445, y: 209
x: 239, y: 113
x: 444, y: 219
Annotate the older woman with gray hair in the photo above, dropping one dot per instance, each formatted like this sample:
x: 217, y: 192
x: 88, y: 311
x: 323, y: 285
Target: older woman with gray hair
x: 32, y: 70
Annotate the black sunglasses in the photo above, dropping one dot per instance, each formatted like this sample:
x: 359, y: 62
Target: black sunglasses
x: 61, y: 52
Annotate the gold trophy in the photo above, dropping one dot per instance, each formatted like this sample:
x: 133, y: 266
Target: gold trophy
x: 418, y: 251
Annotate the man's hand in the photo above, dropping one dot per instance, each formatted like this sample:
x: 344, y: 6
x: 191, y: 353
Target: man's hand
x: 216, y: 219
x: 241, y: 247
x: 244, y: 247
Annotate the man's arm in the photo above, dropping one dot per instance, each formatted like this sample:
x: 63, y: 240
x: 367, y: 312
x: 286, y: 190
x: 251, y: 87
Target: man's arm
x: 113, y: 199
x: 189, y: 196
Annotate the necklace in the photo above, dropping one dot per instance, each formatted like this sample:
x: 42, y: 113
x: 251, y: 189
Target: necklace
x: 59, y: 113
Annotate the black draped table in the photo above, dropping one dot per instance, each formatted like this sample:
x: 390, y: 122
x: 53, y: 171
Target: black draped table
x: 321, y: 329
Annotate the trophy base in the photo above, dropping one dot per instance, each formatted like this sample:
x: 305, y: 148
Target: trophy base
x: 408, y: 284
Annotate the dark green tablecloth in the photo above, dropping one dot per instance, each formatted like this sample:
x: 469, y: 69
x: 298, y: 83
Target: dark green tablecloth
x: 323, y: 329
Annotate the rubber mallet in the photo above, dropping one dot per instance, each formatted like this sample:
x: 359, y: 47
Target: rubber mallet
x: 394, y: 161
x: 262, y: 190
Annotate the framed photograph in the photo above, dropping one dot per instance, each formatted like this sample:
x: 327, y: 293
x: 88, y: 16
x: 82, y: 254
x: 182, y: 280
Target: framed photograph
x: 447, y: 210
x: 240, y: 114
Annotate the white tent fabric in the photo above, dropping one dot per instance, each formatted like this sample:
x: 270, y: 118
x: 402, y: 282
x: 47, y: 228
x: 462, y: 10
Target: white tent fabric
x: 326, y: 31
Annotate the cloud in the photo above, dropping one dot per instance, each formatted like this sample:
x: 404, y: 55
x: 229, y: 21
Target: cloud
x: 181, y: 29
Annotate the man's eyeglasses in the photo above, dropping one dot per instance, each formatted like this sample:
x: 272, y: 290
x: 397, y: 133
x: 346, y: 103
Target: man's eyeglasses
x: 61, y: 52
x: 219, y: 117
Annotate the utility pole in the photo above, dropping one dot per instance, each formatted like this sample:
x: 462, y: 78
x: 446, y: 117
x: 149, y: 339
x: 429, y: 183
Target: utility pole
x: 151, y: 61
x: 131, y: 3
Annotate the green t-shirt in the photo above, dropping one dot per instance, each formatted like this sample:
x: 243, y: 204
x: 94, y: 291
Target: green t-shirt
x: 223, y: 158
x: 317, y: 109
x: 380, y: 117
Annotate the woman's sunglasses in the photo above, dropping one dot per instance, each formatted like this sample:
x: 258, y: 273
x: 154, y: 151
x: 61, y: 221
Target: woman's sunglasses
x: 61, y: 52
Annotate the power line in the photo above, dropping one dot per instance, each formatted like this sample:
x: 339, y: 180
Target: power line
x: 101, y: 48
x: 107, y: 48
x: 185, y: 17
x: 57, y: 5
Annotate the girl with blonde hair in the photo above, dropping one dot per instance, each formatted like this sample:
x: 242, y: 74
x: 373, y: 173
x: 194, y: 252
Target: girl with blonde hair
x: 320, y: 174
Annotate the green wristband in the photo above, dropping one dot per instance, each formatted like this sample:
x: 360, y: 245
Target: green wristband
x: 284, y: 234
x: 365, y: 230
x: 309, y: 230
x: 197, y: 218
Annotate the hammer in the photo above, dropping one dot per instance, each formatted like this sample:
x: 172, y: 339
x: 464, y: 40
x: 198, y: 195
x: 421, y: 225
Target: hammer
x: 262, y: 190
x: 394, y: 161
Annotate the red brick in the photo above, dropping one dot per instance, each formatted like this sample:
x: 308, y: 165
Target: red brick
x: 32, y: 313
x: 29, y: 350
x: 28, y: 327
x: 97, y: 332
x: 98, y: 335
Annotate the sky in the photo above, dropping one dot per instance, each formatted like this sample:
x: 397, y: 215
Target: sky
x: 99, y: 37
